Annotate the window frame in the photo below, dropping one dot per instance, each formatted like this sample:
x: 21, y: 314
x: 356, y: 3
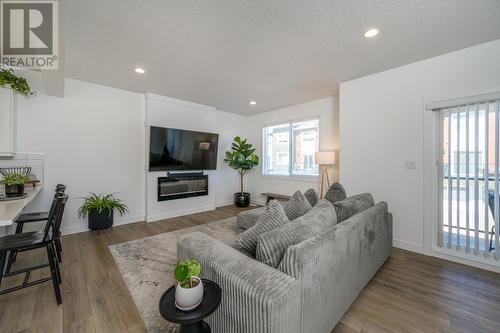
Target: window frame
x: 291, y: 147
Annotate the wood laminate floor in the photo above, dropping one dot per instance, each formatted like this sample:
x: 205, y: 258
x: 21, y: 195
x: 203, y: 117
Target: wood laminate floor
x: 410, y: 293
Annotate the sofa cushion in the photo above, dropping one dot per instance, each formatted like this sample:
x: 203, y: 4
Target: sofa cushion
x: 272, y: 245
x: 311, y: 196
x: 247, y: 218
x: 297, y: 206
x: 274, y: 216
x: 353, y: 205
x: 335, y: 193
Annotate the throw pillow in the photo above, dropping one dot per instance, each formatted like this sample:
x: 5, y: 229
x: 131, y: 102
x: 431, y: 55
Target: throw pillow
x: 272, y: 245
x: 311, y: 196
x: 297, y: 206
x: 335, y: 193
x: 274, y: 216
x: 353, y: 205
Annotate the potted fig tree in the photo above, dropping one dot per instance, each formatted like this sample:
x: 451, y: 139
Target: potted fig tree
x: 241, y: 158
x: 99, y: 208
x: 14, y: 184
x: 189, y: 287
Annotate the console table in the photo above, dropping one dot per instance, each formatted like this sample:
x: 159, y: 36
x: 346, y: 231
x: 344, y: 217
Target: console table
x: 271, y: 196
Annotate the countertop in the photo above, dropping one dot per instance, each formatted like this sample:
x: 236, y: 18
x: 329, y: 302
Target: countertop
x: 10, y: 210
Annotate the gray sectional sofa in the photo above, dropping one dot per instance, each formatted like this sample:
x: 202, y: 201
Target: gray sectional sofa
x: 314, y: 284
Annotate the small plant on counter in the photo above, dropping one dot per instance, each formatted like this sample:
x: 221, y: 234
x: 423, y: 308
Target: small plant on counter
x: 14, y: 184
x: 99, y: 208
x: 10, y: 80
x: 14, y: 179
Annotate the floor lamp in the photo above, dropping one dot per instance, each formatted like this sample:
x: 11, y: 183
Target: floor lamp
x: 324, y: 159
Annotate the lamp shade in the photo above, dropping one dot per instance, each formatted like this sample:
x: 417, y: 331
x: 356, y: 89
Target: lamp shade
x: 324, y: 157
x: 204, y: 146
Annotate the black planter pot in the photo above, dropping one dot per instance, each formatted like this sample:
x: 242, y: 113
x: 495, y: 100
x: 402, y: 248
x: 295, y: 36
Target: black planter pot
x: 242, y: 199
x: 100, y: 221
x: 14, y: 190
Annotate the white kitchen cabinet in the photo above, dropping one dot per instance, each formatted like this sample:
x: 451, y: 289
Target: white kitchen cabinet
x: 8, y: 122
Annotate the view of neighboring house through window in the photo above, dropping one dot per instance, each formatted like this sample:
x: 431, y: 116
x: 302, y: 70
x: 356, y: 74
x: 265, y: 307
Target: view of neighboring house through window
x: 290, y: 147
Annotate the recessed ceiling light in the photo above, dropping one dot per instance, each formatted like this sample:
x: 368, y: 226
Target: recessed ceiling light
x: 139, y: 70
x: 253, y: 102
x: 370, y: 33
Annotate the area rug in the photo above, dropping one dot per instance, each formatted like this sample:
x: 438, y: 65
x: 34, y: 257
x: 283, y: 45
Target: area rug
x: 147, y: 266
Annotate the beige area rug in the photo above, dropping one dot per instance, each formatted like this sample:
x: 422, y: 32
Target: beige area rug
x: 147, y: 267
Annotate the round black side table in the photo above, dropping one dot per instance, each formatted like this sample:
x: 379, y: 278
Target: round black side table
x: 191, y: 321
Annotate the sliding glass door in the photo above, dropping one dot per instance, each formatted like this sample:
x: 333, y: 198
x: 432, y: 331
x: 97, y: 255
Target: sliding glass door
x: 469, y: 177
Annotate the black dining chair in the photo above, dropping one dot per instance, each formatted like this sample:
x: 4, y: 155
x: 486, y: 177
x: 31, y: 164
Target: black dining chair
x: 33, y: 240
x: 38, y: 217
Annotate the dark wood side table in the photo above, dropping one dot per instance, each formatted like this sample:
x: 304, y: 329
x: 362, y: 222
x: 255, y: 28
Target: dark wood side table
x: 191, y: 321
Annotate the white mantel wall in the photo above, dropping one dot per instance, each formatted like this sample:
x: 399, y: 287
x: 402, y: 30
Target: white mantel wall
x: 169, y: 112
x: 384, y: 124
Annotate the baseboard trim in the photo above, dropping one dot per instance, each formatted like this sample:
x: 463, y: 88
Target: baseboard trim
x: 178, y: 213
x: 409, y: 246
x: 83, y: 227
x: 222, y: 204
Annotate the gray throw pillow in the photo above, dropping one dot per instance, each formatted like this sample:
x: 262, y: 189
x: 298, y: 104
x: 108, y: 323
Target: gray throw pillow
x: 297, y: 206
x: 274, y: 216
x: 311, y: 196
x: 335, y: 193
x: 272, y: 245
x: 353, y: 205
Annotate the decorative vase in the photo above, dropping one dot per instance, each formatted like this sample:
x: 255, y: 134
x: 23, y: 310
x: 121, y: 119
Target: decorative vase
x: 187, y: 299
x: 242, y: 199
x: 14, y: 190
x: 100, y: 221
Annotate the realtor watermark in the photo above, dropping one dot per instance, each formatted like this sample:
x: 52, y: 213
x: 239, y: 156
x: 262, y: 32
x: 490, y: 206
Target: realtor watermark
x: 29, y: 34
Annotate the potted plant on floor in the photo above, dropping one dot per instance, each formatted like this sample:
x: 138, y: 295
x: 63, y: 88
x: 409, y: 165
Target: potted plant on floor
x: 189, y: 288
x: 14, y: 184
x: 99, y: 208
x: 241, y: 157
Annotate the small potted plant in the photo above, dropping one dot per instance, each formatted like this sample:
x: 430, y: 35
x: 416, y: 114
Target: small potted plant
x: 99, y: 208
x: 189, y: 288
x: 241, y: 157
x: 14, y: 184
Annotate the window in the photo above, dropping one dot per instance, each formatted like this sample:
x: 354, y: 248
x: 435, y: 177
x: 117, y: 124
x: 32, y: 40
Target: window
x: 290, y: 147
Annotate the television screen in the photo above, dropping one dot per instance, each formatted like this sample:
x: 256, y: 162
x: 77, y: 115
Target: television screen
x: 176, y: 149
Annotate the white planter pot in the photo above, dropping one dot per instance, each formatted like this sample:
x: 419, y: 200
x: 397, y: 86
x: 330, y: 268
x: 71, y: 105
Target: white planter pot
x: 188, y: 298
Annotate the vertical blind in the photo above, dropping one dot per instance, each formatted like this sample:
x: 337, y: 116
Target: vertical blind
x: 469, y: 211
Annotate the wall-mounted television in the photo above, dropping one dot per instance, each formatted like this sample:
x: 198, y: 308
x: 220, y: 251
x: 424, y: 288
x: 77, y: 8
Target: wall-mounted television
x: 176, y: 149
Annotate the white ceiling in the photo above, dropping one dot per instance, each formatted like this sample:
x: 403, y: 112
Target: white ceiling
x: 225, y: 53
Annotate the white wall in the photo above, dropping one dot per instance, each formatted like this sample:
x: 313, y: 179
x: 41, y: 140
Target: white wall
x: 327, y: 110
x: 383, y: 124
x: 169, y: 112
x: 93, y: 140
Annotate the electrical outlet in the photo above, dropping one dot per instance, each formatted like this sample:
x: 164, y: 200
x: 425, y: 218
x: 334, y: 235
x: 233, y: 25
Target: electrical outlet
x: 410, y: 165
